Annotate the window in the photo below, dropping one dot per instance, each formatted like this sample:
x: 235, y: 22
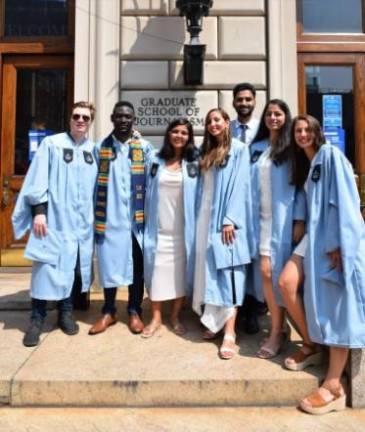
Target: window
x: 36, y: 18
x: 331, y: 16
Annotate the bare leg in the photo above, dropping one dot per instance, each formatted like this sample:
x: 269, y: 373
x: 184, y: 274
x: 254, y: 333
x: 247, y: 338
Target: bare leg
x: 289, y: 282
x: 156, y: 320
x: 177, y: 304
x: 275, y: 339
x: 336, y: 366
x: 330, y: 396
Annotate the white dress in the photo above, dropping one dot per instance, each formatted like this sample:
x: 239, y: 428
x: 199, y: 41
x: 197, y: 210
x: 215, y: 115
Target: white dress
x: 169, y: 273
x: 214, y: 317
x: 265, y: 203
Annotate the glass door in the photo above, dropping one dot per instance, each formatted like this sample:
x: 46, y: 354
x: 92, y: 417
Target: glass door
x: 37, y: 94
x: 332, y: 89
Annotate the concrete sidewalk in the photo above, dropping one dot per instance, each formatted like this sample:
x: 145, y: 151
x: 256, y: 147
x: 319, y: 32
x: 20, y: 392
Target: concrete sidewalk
x: 176, y: 420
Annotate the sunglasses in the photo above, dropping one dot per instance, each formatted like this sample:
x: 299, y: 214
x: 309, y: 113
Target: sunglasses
x: 77, y: 117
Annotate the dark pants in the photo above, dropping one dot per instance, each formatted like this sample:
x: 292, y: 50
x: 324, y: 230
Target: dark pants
x: 135, y: 290
x: 66, y: 305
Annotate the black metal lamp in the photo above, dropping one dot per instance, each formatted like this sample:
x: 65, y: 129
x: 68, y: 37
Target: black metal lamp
x: 194, y: 11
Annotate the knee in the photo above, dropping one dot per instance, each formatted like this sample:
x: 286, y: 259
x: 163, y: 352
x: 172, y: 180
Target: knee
x: 287, y: 286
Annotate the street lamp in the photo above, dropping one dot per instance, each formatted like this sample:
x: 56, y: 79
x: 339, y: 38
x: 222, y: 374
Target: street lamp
x: 194, y: 52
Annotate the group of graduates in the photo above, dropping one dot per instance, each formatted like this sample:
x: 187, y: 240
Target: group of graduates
x: 262, y: 208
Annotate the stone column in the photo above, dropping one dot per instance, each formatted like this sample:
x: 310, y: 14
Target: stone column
x: 97, y: 58
x: 283, y: 81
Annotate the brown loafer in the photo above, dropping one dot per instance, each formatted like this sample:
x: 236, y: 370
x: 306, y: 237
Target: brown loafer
x: 135, y: 324
x: 102, y: 324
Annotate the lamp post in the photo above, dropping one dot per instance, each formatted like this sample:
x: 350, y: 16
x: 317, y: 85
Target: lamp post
x: 194, y: 52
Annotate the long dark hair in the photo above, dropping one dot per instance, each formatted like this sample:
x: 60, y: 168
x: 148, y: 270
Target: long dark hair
x: 167, y: 151
x: 279, y: 149
x: 300, y: 163
x: 213, y: 152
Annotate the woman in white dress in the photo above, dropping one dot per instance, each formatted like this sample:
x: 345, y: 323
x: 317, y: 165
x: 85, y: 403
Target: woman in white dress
x: 279, y: 214
x: 223, y: 239
x: 172, y: 178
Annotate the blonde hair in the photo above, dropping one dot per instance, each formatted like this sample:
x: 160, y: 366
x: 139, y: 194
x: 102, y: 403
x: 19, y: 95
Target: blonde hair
x: 214, y: 151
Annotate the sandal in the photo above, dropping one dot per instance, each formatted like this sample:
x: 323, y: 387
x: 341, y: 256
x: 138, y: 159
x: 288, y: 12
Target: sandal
x: 225, y: 352
x: 178, y: 328
x: 323, y: 401
x: 267, y: 353
x: 301, y: 360
x: 209, y: 335
x: 150, y: 329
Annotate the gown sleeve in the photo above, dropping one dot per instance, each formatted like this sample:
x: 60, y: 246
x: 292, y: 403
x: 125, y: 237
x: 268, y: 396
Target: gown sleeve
x: 34, y: 190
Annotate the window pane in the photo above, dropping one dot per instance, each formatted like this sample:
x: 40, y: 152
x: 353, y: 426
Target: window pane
x: 332, y: 16
x: 32, y: 18
x: 330, y: 99
x: 41, y: 102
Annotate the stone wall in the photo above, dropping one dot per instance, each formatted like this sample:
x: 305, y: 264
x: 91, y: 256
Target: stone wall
x: 151, y: 71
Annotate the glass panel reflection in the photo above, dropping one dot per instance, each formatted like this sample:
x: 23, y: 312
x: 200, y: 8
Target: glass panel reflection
x: 332, y: 16
x: 41, y: 103
x: 34, y: 18
x: 330, y: 99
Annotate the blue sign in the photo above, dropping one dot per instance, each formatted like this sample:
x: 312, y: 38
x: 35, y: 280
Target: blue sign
x: 35, y: 137
x: 332, y: 111
x: 336, y: 137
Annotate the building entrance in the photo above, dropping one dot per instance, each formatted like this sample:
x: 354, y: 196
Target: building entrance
x: 37, y: 94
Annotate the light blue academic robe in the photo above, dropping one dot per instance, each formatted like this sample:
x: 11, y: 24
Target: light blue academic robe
x: 190, y: 182
x: 288, y: 205
x: 114, y: 251
x: 63, y: 174
x: 231, y: 205
x: 334, y: 300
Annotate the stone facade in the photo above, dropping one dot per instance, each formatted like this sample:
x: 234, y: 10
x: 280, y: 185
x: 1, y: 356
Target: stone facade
x: 151, y: 51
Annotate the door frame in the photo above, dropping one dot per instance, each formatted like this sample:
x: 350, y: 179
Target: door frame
x: 357, y: 61
x: 11, y: 64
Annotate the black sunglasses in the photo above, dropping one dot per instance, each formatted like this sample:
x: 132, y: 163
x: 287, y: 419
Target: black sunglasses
x: 77, y: 117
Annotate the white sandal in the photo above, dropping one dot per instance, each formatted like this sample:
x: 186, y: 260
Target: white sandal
x: 226, y: 353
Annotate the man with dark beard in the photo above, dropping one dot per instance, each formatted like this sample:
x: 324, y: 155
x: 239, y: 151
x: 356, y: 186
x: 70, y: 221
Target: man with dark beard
x: 245, y: 126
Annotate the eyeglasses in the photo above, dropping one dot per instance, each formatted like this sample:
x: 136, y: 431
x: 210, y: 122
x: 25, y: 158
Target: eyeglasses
x: 77, y: 117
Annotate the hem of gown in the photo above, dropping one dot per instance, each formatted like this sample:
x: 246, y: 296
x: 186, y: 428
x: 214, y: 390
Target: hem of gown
x: 167, y: 299
x: 338, y: 344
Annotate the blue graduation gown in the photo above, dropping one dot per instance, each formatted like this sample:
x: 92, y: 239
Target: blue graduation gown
x: 63, y: 174
x: 288, y: 204
x: 114, y: 251
x: 231, y: 204
x: 190, y: 181
x: 334, y: 300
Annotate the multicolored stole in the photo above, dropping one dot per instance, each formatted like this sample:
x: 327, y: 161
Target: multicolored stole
x: 138, y: 179
x: 106, y: 155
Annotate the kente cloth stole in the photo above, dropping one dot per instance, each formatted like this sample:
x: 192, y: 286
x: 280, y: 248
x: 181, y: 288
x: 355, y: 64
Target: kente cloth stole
x: 106, y: 155
x: 138, y: 179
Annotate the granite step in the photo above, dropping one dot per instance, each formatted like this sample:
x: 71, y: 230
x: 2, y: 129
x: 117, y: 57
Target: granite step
x: 119, y: 369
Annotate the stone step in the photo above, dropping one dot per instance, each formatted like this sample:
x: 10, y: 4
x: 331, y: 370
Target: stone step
x: 119, y: 369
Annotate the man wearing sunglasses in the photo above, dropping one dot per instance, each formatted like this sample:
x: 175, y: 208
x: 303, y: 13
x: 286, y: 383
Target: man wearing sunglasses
x: 56, y: 203
x: 119, y: 217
